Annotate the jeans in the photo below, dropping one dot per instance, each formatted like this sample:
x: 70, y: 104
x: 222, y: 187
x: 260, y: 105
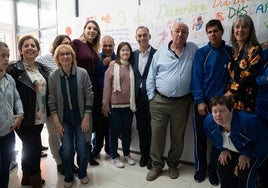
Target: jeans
x: 120, y: 119
x: 73, y: 140
x: 7, y: 145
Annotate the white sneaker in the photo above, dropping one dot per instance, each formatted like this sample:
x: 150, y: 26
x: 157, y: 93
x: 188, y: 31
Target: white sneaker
x: 129, y: 160
x: 118, y: 163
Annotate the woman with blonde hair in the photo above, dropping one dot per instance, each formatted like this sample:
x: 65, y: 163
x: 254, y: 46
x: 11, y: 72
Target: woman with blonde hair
x: 53, y: 140
x: 70, y: 104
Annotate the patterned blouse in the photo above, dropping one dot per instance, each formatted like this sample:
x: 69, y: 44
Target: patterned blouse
x: 243, y: 70
x: 40, y: 88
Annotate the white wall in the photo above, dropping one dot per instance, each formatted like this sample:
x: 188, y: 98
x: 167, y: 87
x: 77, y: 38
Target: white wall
x: 120, y: 18
x: 87, y: 7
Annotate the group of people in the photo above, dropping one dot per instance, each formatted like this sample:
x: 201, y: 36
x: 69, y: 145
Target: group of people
x: 75, y: 90
x: 225, y: 81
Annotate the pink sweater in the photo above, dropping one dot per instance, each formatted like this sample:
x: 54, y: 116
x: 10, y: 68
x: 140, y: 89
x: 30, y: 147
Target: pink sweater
x: 116, y: 99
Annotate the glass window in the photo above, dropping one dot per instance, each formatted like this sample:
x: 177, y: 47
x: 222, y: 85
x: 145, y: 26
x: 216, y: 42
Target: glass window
x: 27, y: 15
x: 48, y: 16
x: 46, y: 38
x: 6, y: 12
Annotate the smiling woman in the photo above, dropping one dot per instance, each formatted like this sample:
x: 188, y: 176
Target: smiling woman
x: 65, y: 58
x: 31, y: 82
x: 119, y: 102
x: 245, y: 64
x: 70, y: 104
x: 87, y: 55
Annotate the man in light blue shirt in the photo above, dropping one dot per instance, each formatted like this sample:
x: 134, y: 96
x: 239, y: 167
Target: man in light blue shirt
x: 168, y: 89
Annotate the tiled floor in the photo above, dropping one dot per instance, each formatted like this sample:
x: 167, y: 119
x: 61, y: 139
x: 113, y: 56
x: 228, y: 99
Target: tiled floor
x: 107, y: 176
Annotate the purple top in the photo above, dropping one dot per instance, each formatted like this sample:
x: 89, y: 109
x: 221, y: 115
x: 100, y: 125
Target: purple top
x: 86, y: 56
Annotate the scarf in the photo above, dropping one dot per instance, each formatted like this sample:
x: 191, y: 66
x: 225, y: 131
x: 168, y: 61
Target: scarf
x: 116, y: 82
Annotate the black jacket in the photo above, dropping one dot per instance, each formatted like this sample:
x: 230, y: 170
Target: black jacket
x: 26, y: 89
x: 141, y: 79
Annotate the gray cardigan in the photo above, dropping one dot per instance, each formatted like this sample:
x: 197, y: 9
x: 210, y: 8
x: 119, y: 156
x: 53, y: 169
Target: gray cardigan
x: 84, y: 93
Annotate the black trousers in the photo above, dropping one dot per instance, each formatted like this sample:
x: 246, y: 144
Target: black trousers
x: 262, y: 172
x: 143, y: 123
x: 101, y: 126
x: 200, y: 146
x: 101, y: 135
x: 246, y: 178
x: 31, y: 147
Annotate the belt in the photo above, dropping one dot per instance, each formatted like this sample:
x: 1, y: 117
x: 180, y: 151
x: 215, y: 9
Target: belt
x: 170, y: 98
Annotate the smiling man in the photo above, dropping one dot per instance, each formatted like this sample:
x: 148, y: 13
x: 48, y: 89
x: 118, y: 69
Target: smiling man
x: 209, y: 78
x: 142, y: 61
x: 168, y: 90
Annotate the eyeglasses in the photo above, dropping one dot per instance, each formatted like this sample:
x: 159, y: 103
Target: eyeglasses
x: 65, y: 54
x: 4, y: 55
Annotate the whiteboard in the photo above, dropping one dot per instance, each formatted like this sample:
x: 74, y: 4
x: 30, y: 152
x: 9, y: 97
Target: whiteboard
x: 121, y: 23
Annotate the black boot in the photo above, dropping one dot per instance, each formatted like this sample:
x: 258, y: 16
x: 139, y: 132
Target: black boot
x: 25, y: 180
x: 92, y: 161
x: 36, y: 181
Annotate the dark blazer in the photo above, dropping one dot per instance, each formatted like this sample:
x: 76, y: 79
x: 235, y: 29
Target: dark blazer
x: 138, y: 77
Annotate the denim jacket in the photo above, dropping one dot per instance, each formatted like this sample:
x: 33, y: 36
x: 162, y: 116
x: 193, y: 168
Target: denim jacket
x: 10, y: 102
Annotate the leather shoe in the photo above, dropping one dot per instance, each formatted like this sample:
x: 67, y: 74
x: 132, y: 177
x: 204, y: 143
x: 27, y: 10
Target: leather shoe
x: 93, y: 162
x: 43, y: 148
x: 43, y: 154
x: 30, y: 183
x: 62, y: 172
x: 173, y: 172
x: 153, y: 173
x: 213, y: 179
x: 60, y: 169
x: 199, y: 176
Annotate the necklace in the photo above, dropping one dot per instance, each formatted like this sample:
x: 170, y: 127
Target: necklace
x: 28, y: 63
x: 29, y: 67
